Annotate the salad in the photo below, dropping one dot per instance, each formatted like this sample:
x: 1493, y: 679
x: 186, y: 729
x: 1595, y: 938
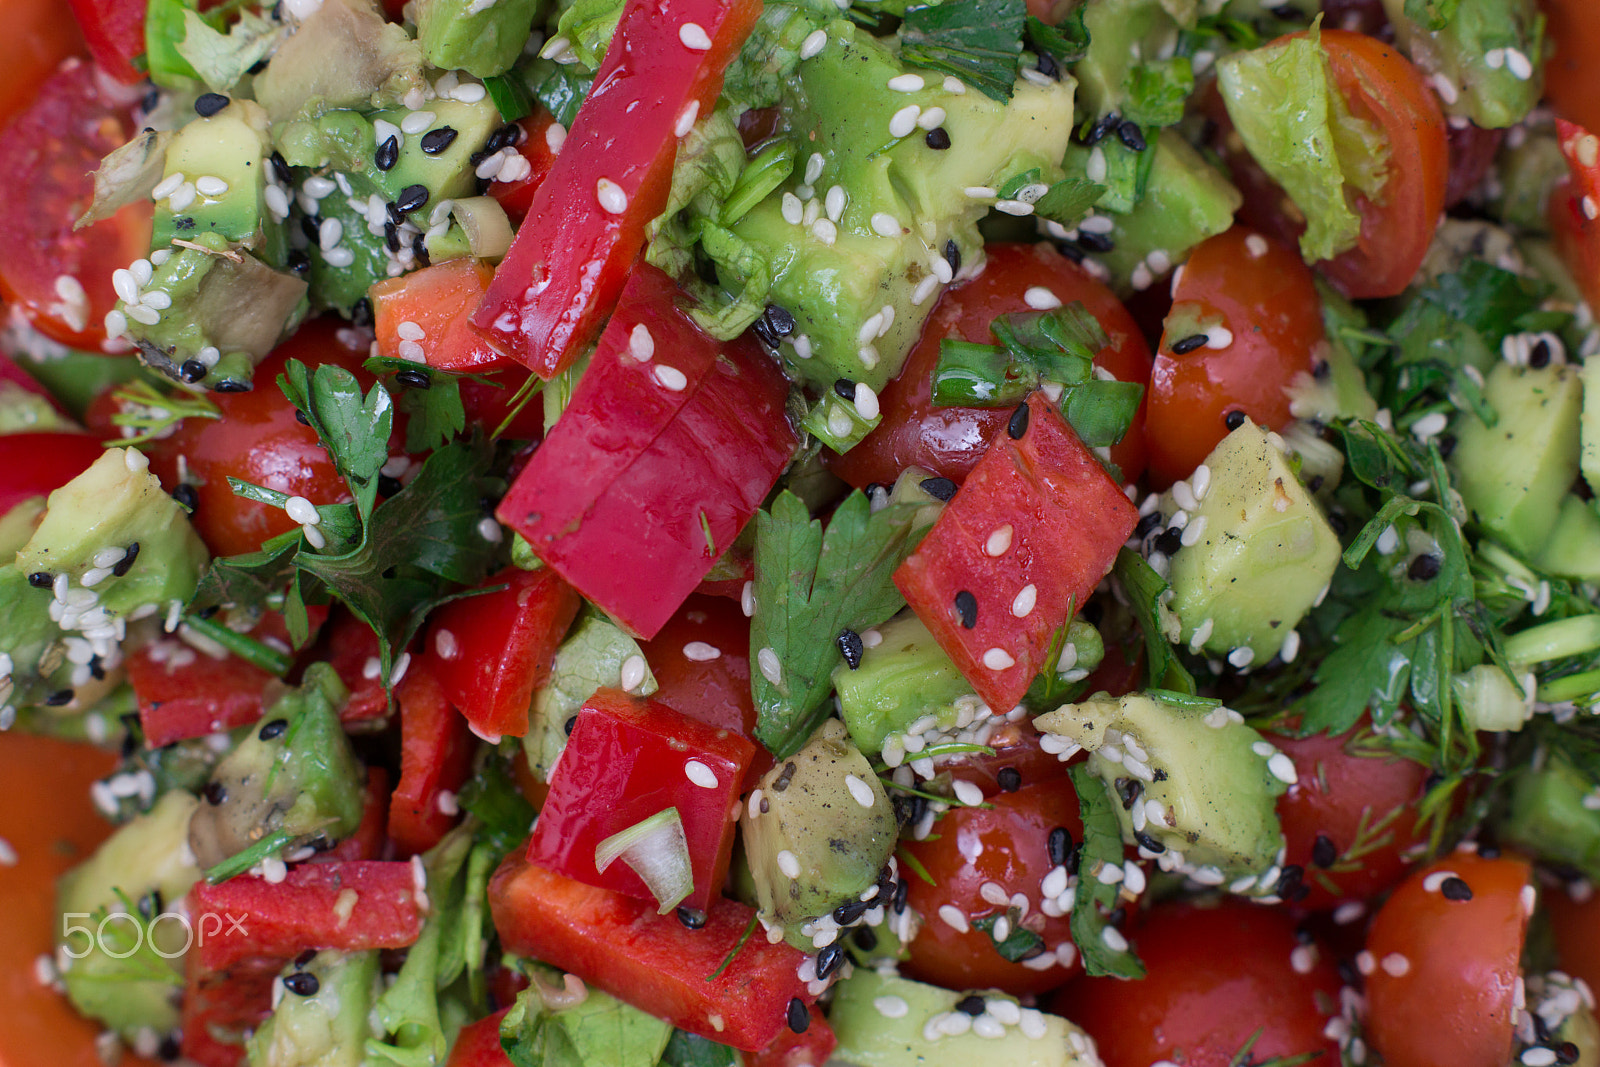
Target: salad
x: 617, y: 533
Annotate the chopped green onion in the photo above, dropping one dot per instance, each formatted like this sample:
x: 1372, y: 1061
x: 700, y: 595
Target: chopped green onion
x: 658, y: 852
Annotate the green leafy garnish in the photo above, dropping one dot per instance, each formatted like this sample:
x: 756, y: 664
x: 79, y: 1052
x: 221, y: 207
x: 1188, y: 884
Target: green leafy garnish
x: 600, y: 1032
x: 1434, y: 15
x: 1019, y: 943
x: 1102, y: 844
x: 1066, y: 42
x: 511, y: 96
x: 151, y: 411
x: 434, y: 411
x: 1068, y: 201
x: 691, y: 1050
x: 1145, y: 589
x: 809, y: 585
x: 976, y: 40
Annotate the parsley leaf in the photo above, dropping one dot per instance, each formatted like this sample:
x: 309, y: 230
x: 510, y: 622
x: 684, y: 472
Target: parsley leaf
x: 809, y: 585
x: 355, y: 428
x: 976, y: 40
x: 1146, y: 590
x: 1068, y: 201
x: 1433, y: 15
x: 1102, y: 844
x: 1019, y: 943
x: 691, y: 1050
x: 435, y: 413
x: 1066, y: 42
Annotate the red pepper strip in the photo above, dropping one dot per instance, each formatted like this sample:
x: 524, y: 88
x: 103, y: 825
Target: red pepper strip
x: 652, y: 961
x: 657, y: 463
x: 478, y: 1044
x: 491, y: 652
x: 572, y: 254
x: 435, y: 758
x: 1034, y: 528
x: 346, y: 906
x: 114, y: 32
x: 220, y: 1008
x: 798, y: 1050
x: 626, y: 760
x: 184, y: 692
x: 1574, y: 208
x: 351, y: 649
x: 366, y: 842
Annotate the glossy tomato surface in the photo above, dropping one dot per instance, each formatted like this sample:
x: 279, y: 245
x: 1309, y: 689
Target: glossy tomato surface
x: 37, y: 464
x: 949, y: 440
x: 1571, y: 75
x: 1445, y: 961
x: 1257, y: 304
x: 1575, y: 922
x: 1007, y: 846
x: 1217, y: 975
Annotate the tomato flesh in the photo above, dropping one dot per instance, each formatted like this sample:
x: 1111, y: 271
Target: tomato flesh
x: 114, y: 32
x: 438, y: 300
x: 37, y: 464
x: 435, y: 758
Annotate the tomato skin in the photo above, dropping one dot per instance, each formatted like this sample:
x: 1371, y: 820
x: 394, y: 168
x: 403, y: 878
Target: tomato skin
x: 1571, y: 79
x: 1216, y: 976
x: 1007, y: 844
x: 50, y: 151
x: 1453, y: 1004
x: 1373, y: 789
x: 1269, y: 303
x: 478, y: 1044
x: 114, y: 32
x: 37, y: 464
x: 257, y: 439
x: 439, y: 299
x: 949, y: 441
x: 1576, y: 925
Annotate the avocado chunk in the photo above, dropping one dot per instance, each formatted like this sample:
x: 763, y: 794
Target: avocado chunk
x: 1515, y: 475
x: 217, y: 168
x: 1263, y: 557
x: 25, y: 411
x: 1185, y: 201
x: 812, y: 844
x: 481, y: 39
x: 1485, y: 59
x: 114, y: 903
x: 1589, y: 425
x: 116, y: 548
x: 1573, y: 549
x: 883, y: 1020
x: 1203, y: 784
x: 1549, y: 814
x: 321, y: 1017
x: 591, y: 657
x: 343, y: 55
x: 903, y: 677
x: 294, y: 778
x: 874, y: 219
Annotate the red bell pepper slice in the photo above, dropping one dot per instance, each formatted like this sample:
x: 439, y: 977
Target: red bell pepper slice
x: 626, y: 760
x: 478, y: 1044
x: 541, y: 143
x: 184, y: 692
x: 1574, y: 208
x: 114, y: 32
x: 586, y: 225
x: 652, y: 961
x: 439, y: 301
x: 351, y: 648
x: 220, y: 1008
x: 435, y: 759
x: 1034, y: 528
x: 491, y: 652
x: 366, y: 841
x: 346, y: 906
x: 790, y: 1049
x: 657, y: 463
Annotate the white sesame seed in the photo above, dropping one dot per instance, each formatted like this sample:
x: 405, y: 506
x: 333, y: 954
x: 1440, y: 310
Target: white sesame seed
x: 302, y: 511
x: 923, y: 290
x: 1022, y: 604
x: 999, y: 542
x: 1095, y: 168
x: 789, y: 864
x: 839, y: 423
x: 1530, y: 898
x: 1281, y: 767
x: 885, y: 225
x: 1519, y: 65
x: 167, y: 186
x: 671, y: 378
x: 632, y: 673
x: 860, y: 790
x: 686, y: 118
x: 446, y: 645
x: 1041, y: 299
x: 1219, y: 337
x: 998, y: 659
x: 824, y: 231
x: 277, y: 201
x: 126, y: 288
x: 342, y: 256
x: 906, y: 83
x: 1014, y: 207
x: 814, y: 167
x: 410, y: 331
x: 611, y: 196
x: 1539, y: 1056
x: 1445, y: 88
x: 317, y: 187
x: 967, y: 792
x: 401, y: 665
x: 1242, y: 656
x: 771, y: 668
x: 866, y: 401
x: 1193, y: 531
x: 210, y: 185
x: 1395, y: 965
x: 1494, y: 58
x: 1256, y: 245
x: 412, y: 351
x: 700, y: 774
x: 1140, y: 277
x: 932, y: 118
x: 792, y: 210
x: 953, y: 917
x: 694, y: 37
x: 489, y: 530
x: 890, y: 1007
x: 747, y: 599
x: 1113, y: 939
x: 417, y: 122
x: 1348, y: 912
x: 904, y: 121
x: 1290, y: 647
x: 1591, y: 209
x: 814, y: 43
x: 700, y: 652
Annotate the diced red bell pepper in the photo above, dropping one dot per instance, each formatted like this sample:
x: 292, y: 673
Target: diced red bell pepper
x: 351, y: 649
x: 114, y: 32
x: 478, y: 1044
x: 627, y: 759
x: 653, y: 962
x: 347, y: 906
x: 701, y: 663
x: 184, y: 692
x: 491, y: 652
x: 438, y: 300
x: 435, y: 758
x: 810, y: 1049
x: 541, y: 143
x: 221, y: 1008
x: 366, y: 841
x: 586, y: 225
x: 1034, y: 528
x: 657, y: 463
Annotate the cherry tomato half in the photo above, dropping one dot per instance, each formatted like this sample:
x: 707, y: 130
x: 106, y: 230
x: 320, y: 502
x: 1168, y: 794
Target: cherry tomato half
x: 1571, y: 78
x: 37, y: 464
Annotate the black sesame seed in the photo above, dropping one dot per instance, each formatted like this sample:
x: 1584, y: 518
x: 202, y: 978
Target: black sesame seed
x: 215, y: 793
x: 1096, y: 242
x: 1324, y: 853
x: 691, y: 918
x: 169, y: 1049
x: 1059, y: 845
x: 273, y: 730
x: 391, y: 235
x: 1314, y: 483
x: 1184, y: 345
x: 1048, y: 66
x: 781, y: 321
x: 1567, y: 1053
x: 1017, y: 425
x: 361, y: 313
x: 1321, y: 369
x: 301, y: 417
x: 971, y: 1004
x: 1455, y: 889
x: 1129, y: 789
x: 1337, y: 523
x: 781, y: 783
x: 1539, y: 355
x: 939, y: 488
x: 437, y: 140
x: 304, y: 984
x: 305, y: 958
x: 208, y: 104
x: 900, y: 892
x: 1148, y: 843
x: 1102, y: 128
x: 845, y: 390
x: 388, y: 153
x: 411, y: 198
x: 1010, y: 779
x: 1234, y: 419
x: 505, y: 137
x: 851, y: 911
x: 865, y: 938
x: 41, y: 579
x: 393, y: 212
x: 388, y: 486
x: 191, y: 371
x: 416, y: 379
x: 1348, y: 974
x: 850, y: 647
x: 1170, y: 541
x: 1291, y: 883
x: 150, y: 100
x: 97, y: 671
x: 828, y: 960
x: 1131, y: 136
x: 419, y: 248
x: 952, y: 255
x: 311, y: 228
x: 280, y: 169
x: 1541, y: 1029
x: 185, y: 495
x: 1147, y: 525
x: 1447, y: 445
x: 298, y: 262
x: 937, y: 139
x: 59, y: 698
x: 798, y: 1017
x: 231, y: 385
x: 966, y: 609
x: 572, y: 721
x: 1424, y: 568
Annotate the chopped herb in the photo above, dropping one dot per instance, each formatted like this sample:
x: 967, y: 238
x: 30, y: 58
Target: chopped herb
x: 1102, y: 844
x: 1019, y: 943
x: 976, y: 40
